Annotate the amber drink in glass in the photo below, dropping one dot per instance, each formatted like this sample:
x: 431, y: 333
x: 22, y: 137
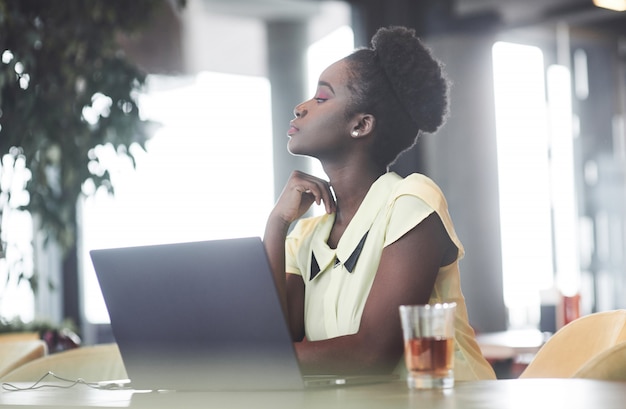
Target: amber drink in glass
x: 429, y: 345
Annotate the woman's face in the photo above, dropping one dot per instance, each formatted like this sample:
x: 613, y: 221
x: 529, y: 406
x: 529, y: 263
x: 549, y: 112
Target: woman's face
x: 320, y: 128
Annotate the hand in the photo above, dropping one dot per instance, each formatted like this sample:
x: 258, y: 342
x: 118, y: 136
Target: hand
x: 299, y: 194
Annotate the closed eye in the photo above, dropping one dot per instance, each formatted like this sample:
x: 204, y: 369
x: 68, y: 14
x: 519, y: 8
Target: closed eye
x: 322, y: 94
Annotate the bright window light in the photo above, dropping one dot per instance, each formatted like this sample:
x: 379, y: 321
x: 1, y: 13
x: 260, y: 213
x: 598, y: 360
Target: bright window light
x: 581, y: 74
x: 207, y: 173
x: 16, y: 297
x: 616, y: 5
x: 523, y: 173
x: 326, y: 51
x: 565, y: 212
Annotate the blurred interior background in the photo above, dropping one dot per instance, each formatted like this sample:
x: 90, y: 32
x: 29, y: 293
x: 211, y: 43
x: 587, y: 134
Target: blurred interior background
x: 532, y: 159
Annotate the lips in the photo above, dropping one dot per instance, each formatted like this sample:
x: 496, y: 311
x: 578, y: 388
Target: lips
x: 292, y: 129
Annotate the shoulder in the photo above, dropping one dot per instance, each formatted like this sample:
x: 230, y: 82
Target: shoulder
x: 422, y: 187
x: 417, y: 183
x: 428, y: 192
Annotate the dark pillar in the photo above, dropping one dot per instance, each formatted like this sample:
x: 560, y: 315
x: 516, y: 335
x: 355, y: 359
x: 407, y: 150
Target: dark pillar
x: 70, y: 290
x: 462, y: 159
x: 426, y: 17
x: 287, y: 46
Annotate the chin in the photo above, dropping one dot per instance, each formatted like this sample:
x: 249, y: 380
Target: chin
x: 293, y: 148
x: 296, y: 153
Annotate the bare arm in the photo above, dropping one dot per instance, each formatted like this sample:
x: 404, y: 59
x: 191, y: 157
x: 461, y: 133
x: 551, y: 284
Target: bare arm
x: 300, y: 192
x: 406, y: 275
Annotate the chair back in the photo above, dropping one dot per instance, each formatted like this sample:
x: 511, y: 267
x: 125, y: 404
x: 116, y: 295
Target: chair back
x: 609, y: 365
x: 94, y: 363
x: 19, y: 336
x: 576, y: 344
x: 14, y: 354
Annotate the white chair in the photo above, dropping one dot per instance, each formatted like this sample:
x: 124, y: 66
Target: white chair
x: 576, y: 344
x: 14, y: 354
x: 609, y: 365
x: 94, y: 363
x: 19, y: 336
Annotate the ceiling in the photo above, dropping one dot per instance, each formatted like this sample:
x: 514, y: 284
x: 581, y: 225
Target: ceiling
x: 460, y: 14
x: 525, y: 10
x: 518, y: 13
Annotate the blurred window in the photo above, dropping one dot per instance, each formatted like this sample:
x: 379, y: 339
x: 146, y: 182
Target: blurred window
x: 538, y: 214
x: 206, y: 174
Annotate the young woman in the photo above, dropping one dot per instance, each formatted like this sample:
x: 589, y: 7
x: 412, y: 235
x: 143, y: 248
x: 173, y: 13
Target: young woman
x: 384, y: 240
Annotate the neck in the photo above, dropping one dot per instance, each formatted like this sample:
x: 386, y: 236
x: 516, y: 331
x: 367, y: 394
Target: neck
x: 350, y: 185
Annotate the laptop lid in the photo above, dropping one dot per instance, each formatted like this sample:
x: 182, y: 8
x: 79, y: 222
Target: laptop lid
x: 198, y: 316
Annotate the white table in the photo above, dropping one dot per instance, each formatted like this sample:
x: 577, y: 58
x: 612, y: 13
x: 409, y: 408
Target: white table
x: 510, y: 344
x: 500, y: 394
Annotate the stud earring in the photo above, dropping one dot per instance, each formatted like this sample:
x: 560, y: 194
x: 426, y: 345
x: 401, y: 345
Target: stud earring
x: 355, y: 133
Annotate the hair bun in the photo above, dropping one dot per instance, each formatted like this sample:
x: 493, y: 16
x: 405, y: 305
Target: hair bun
x: 414, y: 74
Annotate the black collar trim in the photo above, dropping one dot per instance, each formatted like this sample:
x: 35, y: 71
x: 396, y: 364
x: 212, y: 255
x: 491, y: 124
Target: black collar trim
x: 349, y: 264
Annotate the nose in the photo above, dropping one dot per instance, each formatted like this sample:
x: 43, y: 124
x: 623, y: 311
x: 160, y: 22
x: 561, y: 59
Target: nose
x: 299, y: 110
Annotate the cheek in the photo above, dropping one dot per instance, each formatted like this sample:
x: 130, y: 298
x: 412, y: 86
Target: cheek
x: 332, y: 121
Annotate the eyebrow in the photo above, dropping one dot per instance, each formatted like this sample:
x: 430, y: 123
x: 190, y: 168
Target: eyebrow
x: 326, y: 84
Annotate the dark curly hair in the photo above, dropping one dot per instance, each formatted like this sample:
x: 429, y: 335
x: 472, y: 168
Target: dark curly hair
x: 398, y: 81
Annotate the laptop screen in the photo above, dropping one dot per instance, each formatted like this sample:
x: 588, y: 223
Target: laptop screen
x: 197, y: 316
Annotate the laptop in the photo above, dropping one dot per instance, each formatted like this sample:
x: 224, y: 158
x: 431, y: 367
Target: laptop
x: 201, y: 316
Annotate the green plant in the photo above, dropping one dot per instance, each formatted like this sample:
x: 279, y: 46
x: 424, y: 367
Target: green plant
x: 66, y: 87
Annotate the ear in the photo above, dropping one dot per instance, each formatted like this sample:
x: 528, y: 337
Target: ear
x: 364, y: 125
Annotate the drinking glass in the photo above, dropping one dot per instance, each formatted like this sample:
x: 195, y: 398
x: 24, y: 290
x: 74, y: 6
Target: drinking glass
x: 429, y: 344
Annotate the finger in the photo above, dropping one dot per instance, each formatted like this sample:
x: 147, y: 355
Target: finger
x: 313, y: 191
x: 324, y: 195
x: 318, y: 188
